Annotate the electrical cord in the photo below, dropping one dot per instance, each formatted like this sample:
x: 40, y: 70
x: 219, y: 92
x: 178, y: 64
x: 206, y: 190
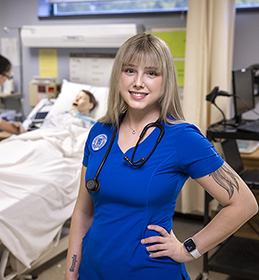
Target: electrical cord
x: 224, y: 117
x: 224, y: 121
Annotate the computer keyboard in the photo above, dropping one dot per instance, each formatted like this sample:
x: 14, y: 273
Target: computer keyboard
x: 250, y: 126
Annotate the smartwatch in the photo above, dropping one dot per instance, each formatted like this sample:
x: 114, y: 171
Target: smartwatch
x: 191, y: 248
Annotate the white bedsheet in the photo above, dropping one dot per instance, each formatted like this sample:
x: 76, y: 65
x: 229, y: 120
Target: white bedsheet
x: 39, y: 180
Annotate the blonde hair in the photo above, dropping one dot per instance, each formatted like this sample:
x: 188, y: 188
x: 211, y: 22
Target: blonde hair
x: 145, y: 48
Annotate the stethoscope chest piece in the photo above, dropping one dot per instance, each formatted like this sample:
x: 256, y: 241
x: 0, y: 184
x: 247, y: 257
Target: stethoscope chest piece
x: 92, y: 185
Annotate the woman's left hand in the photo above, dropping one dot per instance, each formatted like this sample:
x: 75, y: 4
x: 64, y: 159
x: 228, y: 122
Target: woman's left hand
x: 166, y: 245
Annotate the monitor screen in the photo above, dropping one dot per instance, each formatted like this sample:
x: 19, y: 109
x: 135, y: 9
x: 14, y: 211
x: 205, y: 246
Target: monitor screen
x: 243, y: 90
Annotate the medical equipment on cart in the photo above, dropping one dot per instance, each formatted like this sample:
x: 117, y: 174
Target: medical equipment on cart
x: 41, y: 113
x: 40, y: 88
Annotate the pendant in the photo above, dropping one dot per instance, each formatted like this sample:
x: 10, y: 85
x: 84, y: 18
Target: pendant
x: 133, y: 131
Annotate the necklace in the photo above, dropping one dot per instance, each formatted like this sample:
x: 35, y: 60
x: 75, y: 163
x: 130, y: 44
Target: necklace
x: 134, y: 131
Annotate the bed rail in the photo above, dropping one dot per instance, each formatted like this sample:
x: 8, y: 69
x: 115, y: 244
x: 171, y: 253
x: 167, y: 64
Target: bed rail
x: 10, y: 267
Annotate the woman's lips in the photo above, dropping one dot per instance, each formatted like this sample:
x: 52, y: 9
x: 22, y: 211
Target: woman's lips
x: 138, y: 95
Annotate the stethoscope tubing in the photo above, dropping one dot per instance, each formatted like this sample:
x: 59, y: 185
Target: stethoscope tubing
x: 93, y: 185
x: 106, y: 154
x: 143, y: 160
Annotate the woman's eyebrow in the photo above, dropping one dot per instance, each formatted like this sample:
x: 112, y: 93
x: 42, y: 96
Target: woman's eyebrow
x: 151, y: 67
x: 146, y: 67
x: 129, y: 65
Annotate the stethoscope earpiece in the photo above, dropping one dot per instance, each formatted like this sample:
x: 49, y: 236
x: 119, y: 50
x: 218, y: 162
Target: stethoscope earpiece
x: 126, y: 158
x: 92, y: 185
x: 136, y: 163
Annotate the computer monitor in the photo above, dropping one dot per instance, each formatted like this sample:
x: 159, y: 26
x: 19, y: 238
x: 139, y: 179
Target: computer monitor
x: 243, y: 92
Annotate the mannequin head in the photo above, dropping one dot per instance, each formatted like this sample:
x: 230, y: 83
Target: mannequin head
x: 5, y: 69
x: 84, y: 102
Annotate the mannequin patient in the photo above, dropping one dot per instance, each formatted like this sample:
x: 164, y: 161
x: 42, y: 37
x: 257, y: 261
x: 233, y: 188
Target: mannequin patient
x: 79, y: 114
x: 84, y: 102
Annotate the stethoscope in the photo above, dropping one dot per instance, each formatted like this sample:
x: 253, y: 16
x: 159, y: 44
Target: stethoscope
x: 93, y: 185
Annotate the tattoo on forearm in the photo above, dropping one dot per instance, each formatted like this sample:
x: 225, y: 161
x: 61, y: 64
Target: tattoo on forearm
x: 226, y: 177
x: 74, y: 261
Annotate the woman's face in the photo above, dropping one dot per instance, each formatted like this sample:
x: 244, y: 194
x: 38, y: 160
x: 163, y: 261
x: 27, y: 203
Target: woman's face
x: 4, y: 76
x: 82, y: 103
x: 141, y: 86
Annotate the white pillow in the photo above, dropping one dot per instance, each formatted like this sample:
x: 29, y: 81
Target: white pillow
x: 68, y: 94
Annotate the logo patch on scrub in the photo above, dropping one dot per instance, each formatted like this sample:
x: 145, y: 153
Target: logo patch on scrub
x: 99, y: 142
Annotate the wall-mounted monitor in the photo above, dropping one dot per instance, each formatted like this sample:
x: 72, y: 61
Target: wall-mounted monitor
x: 59, y: 8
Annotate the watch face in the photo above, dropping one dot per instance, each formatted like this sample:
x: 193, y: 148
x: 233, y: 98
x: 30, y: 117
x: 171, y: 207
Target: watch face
x: 189, y: 245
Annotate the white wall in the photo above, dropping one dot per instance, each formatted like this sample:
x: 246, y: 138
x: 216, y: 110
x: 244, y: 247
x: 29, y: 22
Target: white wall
x: 246, y: 41
x: 17, y: 13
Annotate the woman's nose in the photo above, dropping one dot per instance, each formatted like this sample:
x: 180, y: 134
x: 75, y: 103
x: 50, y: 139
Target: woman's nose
x: 139, y: 81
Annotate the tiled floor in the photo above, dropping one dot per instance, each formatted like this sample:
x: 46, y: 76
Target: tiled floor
x: 183, y: 228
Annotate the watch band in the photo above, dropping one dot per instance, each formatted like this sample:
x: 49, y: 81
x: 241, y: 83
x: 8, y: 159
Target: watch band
x: 195, y: 253
x: 191, y: 248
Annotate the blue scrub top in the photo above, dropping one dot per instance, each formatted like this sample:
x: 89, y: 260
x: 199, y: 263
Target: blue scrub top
x: 131, y: 198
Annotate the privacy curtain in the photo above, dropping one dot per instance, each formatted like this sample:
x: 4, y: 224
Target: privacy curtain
x: 208, y: 63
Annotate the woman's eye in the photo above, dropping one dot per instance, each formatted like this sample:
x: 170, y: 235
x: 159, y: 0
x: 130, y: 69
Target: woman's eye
x: 129, y: 70
x: 152, y: 73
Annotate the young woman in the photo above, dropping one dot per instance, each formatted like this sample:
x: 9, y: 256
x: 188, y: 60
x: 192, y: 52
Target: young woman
x: 122, y: 222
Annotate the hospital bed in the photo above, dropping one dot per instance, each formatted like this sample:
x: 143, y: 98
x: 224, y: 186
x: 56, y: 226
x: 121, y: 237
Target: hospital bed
x: 39, y: 180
